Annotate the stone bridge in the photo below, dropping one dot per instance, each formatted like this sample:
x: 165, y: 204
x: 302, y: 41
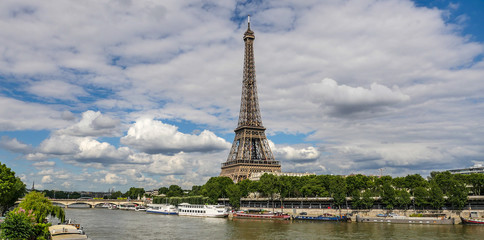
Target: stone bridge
x: 94, y: 202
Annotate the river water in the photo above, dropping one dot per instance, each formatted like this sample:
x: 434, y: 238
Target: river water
x: 120, y: 224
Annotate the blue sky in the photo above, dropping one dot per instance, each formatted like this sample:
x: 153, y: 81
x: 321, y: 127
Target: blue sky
x: 97, y: 95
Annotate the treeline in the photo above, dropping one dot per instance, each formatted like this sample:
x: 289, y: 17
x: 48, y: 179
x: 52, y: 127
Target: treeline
x: 439, y: 190
x: 132, y: 193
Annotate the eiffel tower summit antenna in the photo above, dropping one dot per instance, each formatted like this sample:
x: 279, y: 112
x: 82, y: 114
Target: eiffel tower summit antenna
x: 250, y: 150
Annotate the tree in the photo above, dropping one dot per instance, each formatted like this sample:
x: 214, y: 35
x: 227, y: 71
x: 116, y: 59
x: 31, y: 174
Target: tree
x: 457, y: 194
x: 367, y: 199
x: 134, y: 193
x: 388, y: 195
x: 116, y: 195
x: 196, y: 190
x: 18, y: 225
x: 403, y: 198
x: 337, y: 189
x: 269, y: 186
x: 414, y: 181
x: 174, y: 191
x: 420, y: 195
x: 38, y: 208
x: 41, y: 207
x: 244, y: 187
x: 234, y: 193
x: 11, y: 188
x: 356, y: 201
x: 163, y: 190
x: 436, y: 196
x: 215, y: 188
x: 476, y: 180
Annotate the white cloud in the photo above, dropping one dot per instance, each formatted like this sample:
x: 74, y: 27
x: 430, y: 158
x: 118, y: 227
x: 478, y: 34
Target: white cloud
x: 111, y: 178
x: 20, y: 115
x: 346, y: 100
x: 93, y: 124
x: 294, y: 154
x: 60, y: 145
x: 153, y: 137
x: 57, y: 89
x: 13, y: 145
x: 94, y: 151
x: 47, y: 179
x: 44, y: 164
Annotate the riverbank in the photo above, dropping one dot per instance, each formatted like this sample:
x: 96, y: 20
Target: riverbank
x: 104, y: 224
x: 373, y: 212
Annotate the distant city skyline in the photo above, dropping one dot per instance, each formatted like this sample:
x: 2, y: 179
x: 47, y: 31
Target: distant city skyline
x: 97, y: 95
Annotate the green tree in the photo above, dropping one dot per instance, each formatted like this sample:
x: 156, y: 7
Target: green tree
x: 76, y: 195
x: 234, y: 193
x: 367, y: 199
x: 356, y: 200
x: 163, y: 190
x: 420, y: 196
x: 436, y: 196
x: 134, y: 193
x: 41, y: 207
x: 403, y: 198
x: 457, y: 194
x: 414, y: 181
x: 244, y: 187
x: 116, y: 195
x: 215, y: 188
x: 388, y: 196
x: 269, y: 186
x: 11, y: 188
x: 18, y: 224
x: 476, y: 180
x: 175, y: 191
x: 337, y: 189
x: 196, y: 190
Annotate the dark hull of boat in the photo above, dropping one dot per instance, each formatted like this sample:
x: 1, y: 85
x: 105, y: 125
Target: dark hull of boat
x: 470, y: 221
x: 262, y: 216
x: 327, y: 219
x: 407, y: 220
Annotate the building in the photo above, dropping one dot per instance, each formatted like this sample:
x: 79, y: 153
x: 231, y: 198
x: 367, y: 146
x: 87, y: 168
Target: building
x: 255, y: 176
x: 478, y: 168
x: 250, y: 150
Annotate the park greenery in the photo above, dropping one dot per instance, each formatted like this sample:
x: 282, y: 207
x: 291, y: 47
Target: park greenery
x: 413, y: 191
x: 28, y: 220
x: 11, y: 188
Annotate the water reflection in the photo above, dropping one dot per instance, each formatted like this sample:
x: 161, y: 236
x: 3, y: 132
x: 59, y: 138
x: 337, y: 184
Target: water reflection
x: 118, y: 224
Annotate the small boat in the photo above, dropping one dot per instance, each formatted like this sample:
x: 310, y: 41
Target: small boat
x: 162, y: 209
x: 198, y: 210
x: 262, y: 215
x: 66, y: 231
x: 127, y: 206
x: 407, y: 220
x: 112, y: 206
x: 140, y: 208
x: 324, y: 217
x: 472, y: 221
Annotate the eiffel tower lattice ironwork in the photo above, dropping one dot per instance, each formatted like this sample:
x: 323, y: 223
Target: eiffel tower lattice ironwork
x: 250, y: 150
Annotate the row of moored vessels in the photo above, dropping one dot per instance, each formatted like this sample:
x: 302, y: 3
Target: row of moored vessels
x: 186, y: 209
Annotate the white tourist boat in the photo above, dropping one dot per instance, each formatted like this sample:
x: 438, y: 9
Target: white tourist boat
x: 162, y: 209
x: 127, y: 206
x: 196, y: 210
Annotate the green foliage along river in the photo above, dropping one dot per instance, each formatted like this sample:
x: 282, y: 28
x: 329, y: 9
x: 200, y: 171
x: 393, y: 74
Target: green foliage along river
x: 118, y: 224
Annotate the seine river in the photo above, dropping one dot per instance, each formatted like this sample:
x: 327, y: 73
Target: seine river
x: 120, y: 224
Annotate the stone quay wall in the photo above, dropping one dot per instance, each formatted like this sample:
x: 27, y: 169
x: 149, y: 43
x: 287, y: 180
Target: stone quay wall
x: 372, y: 212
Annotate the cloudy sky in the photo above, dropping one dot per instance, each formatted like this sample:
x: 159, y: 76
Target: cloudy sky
x: 96, y: 95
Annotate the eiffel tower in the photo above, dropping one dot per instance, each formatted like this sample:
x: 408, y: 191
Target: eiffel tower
x: 250, y: 150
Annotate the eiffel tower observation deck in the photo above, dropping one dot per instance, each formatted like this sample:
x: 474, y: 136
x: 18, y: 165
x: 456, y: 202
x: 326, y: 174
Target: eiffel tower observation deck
x: 250, y: 150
